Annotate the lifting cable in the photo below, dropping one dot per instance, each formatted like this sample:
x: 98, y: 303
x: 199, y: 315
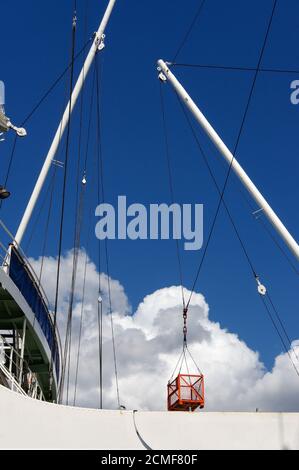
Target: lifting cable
x: 183, y: 358
x: 171, y: 187
x: 101, y: 184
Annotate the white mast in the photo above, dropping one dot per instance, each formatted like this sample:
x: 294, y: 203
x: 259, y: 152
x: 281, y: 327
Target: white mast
x: 98, y: 44
x: 165, y: 75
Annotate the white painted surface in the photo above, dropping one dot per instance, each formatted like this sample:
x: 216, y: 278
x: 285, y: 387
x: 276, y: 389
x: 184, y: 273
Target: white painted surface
x: 31, y: 424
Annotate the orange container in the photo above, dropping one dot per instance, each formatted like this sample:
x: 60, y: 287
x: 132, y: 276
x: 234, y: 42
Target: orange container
x: 186, y: 393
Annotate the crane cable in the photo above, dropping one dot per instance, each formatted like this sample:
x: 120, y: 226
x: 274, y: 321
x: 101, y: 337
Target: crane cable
x: 171, y: 187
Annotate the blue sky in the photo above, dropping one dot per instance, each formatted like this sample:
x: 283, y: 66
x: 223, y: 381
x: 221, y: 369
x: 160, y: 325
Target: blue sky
x: 35, y: 51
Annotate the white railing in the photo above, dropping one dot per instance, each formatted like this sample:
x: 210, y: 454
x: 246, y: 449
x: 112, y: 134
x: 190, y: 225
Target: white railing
x: 19, y: 378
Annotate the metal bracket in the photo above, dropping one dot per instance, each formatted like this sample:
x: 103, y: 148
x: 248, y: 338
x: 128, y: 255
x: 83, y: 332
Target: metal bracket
x: 58, y: 163
x: 257, y: 214
x: 162, y: 77
x: 262, y: 290
x: 100, y: 42
x: 20, y: 131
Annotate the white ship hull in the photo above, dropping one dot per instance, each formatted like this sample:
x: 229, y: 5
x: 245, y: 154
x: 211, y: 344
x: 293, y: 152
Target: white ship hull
x: 32, y: 424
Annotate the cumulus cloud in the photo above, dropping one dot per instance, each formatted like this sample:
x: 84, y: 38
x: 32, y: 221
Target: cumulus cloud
x: 148, y: 345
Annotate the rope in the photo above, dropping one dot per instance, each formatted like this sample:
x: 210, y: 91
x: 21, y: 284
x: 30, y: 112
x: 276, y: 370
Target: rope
x: 186, y: 37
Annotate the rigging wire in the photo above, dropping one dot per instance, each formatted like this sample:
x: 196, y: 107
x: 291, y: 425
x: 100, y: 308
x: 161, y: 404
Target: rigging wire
x: 36, y: 107
x: 279, y: 334
x: 187, y: 34
x: 100, y: 165
x: 61, y: 386
x: 261, y: 221
x: 274, y: 308
x: 56, y: 82
x: 228, y: 212
x: 171, y: 187
x: 100, y: 300
x: 234, y: 152
x: 79, y: 209
x: 82, y: 311
x: 228, y: 67
x: 205, y: 159
x: 269, y: 233
x: 39, y: 214
x: 77, y: 203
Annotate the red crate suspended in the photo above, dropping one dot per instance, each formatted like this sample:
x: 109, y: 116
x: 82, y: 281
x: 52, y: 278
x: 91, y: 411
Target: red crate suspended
x: 186, y: 393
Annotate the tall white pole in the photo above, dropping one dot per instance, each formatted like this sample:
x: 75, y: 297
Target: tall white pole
x: 97, y: 44
x: 228, y: 156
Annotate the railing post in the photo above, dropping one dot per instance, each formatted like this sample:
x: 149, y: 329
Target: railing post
x: 22, y: 351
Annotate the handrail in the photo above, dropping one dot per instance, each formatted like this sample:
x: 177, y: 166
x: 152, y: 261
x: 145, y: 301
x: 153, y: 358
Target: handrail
x: 34, y: 278
x: 16, y: 379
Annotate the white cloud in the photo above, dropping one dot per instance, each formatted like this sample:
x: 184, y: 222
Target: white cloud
x: 149, y: 343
